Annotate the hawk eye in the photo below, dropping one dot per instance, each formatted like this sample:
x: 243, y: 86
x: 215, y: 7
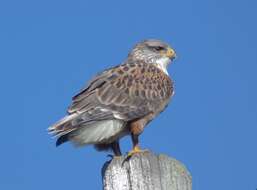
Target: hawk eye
x: 158, y: 48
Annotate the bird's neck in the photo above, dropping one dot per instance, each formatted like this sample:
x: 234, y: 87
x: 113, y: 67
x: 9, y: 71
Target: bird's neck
x: 161, y: 63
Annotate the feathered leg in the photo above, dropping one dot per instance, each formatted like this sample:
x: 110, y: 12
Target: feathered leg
x: 136, y: 128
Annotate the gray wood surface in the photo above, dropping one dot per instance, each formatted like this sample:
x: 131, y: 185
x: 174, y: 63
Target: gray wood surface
x: 145, y: 171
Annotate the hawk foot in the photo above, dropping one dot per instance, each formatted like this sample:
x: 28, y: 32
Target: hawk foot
x: 136, y: 150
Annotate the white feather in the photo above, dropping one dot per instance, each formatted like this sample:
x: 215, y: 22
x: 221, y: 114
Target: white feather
x: 162, y: 64
x: 118, y: 116
x: 99, y: 132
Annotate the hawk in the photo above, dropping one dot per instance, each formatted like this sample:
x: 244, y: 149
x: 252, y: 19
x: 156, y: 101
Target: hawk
x: 120, y: 101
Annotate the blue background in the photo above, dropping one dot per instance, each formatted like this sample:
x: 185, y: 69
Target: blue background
x: 50, y: 48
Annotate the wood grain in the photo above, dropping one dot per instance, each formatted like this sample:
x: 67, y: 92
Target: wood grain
x: 145, y: 171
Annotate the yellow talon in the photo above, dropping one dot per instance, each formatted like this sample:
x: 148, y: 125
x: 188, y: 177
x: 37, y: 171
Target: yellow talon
x: 135, y: 150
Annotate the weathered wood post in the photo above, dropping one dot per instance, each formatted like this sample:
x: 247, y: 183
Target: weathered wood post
x: 145, y: 171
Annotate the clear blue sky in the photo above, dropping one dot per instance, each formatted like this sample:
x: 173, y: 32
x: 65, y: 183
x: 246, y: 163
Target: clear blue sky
x: 50, y: 48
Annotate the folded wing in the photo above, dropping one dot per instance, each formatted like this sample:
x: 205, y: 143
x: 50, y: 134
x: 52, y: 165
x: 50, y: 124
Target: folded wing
x: 125, y: 92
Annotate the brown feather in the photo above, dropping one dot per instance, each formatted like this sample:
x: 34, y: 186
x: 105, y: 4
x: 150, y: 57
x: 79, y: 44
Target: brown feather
x: 129, y: 91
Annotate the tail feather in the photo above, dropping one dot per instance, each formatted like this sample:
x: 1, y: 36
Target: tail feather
x: 63, y: 126
x: 98, y: 132
x: 62, y: 139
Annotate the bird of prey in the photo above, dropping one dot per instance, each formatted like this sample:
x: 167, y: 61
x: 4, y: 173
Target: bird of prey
x: 120, y: 101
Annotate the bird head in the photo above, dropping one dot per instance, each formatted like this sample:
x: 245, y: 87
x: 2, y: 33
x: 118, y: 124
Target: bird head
x: 154, y: 52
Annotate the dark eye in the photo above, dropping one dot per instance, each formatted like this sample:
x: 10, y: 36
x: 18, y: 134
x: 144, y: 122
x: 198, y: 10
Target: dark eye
x: 158, y: 48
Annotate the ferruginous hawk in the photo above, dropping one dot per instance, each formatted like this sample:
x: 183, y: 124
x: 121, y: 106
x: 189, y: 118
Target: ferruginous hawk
x: 120, y: 101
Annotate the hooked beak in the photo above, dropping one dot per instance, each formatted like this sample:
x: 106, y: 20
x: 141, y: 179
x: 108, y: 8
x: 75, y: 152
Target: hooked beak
x: 171, y: 53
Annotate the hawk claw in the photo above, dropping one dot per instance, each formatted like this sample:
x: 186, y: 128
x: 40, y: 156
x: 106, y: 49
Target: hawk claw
x: 136, y: 150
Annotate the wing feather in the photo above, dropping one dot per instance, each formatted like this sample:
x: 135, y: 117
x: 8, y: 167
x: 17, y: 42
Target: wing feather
x: 126, y: 92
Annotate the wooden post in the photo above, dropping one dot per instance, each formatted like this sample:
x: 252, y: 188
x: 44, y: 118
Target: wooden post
x: 145, y: 171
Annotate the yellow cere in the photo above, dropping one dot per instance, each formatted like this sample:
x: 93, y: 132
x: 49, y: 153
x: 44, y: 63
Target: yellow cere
x: 170, y: 53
